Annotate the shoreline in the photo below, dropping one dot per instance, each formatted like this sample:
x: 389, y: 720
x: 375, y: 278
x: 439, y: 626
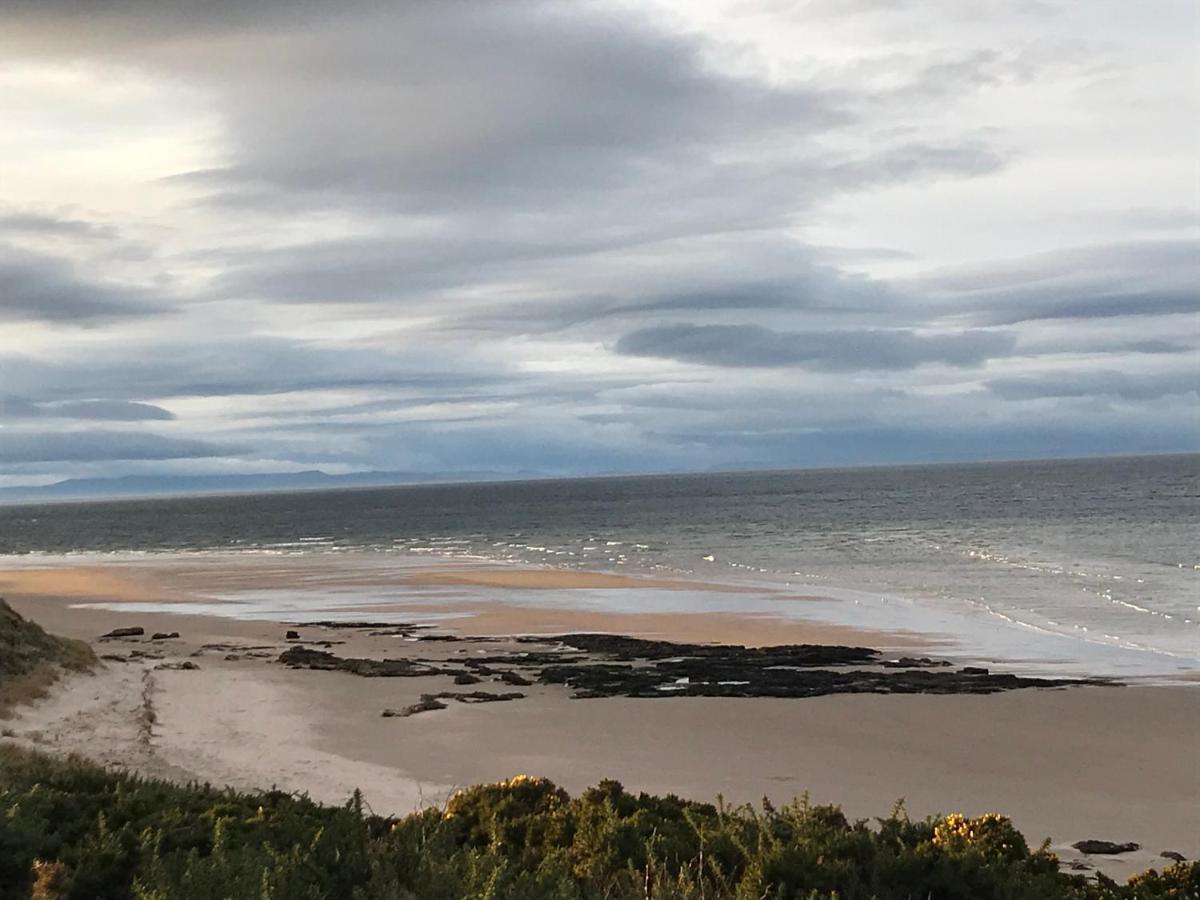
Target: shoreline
x: 1070, y: 764
x: 481, y: 595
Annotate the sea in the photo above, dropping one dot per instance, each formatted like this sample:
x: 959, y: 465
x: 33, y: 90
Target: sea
x: 1075, y: 566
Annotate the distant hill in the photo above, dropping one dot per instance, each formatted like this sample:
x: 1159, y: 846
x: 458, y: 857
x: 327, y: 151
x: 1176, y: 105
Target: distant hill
x: 164, y: 485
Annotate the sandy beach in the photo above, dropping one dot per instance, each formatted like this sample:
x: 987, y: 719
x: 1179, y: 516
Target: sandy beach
x: 1116, y: 763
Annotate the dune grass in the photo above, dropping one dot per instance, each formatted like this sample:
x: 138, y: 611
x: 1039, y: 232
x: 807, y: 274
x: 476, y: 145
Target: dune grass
x: 31, y: 660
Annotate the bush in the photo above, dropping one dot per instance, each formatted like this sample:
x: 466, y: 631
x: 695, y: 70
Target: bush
x: 69, y: 829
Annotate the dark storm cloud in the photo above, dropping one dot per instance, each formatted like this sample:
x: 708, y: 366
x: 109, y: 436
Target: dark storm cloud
x: 754, y: 346
x: 38, y: 287
x: 84, y: 446
x: 98, y: 410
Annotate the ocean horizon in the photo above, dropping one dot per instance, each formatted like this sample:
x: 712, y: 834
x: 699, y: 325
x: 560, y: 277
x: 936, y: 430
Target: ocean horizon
x: 1087, y: 564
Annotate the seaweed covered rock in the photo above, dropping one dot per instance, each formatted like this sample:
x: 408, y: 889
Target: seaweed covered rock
x: 307, y: 658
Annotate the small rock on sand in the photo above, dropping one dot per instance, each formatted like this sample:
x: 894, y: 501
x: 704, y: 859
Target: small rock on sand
x: 292, y: 636
x: 427, y: 704
x: 1173, y: 855
x: 1105, y: 848
x: 134, y: 631
x: 164, y: 635
x: 515, y: 679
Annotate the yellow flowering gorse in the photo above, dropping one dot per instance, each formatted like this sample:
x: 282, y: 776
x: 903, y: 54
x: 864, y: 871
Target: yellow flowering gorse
x: 991, y: 833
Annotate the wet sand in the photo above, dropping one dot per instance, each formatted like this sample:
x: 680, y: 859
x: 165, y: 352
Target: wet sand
x: 1113, y: 763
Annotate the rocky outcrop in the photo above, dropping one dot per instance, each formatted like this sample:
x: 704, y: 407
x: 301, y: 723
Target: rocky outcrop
x: 134, y: 631
x: 1105, y: 848
x: 605, y: 665
x: 307, y: 658
x: 432, y: 702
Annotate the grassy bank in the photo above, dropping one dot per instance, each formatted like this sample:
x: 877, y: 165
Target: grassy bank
x: 71, y: 830
x: 31, y: 660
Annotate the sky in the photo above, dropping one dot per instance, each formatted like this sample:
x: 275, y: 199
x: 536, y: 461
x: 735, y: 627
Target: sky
x: 591, y: 237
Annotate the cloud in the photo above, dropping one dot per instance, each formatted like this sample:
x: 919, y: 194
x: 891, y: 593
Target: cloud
x: 755, y: 346
x: 1151, y: 278
x: 84, y: 446
x: 99, y: 410
x: 39, y: 224
x: 36, y: 287
x: 483, y: 235
x: 1098, y: 384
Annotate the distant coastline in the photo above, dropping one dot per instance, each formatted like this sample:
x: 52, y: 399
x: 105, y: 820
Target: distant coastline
x: 137, y: 487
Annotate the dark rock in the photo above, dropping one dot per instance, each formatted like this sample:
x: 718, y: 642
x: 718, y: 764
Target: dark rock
x: 514, y: 679
x: 1105, y: 848
x: 477, y: 696
x: 1173, y: 855
x: 135, y: 631
x: 629, y: 648
x: 291, y: 636
x: 304, y: 658
x: 144, y: 654
x: 431, y: 702
x: 439, y: 637
x: 164, y: 635
x: 327, y: 623
x: 187, y: 665
x: 595, y: 665
x: 910, y: 662
x: 755, y: 676
x: 112, y: 657
x: 428, y: 703
x: 398, y: 631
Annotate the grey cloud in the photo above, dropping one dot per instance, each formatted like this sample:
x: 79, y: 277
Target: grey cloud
x: 230, y: 366
x: 524, y: 110
x: 44, y: 224
x: 81, y: 446
x: 915, y: 162
x: 1138, y: 279
x: 526, y: 105
x: 1156, y: 346
x: 39, y: 287
x: 411, y: 371
x: 98, y: 410
x: 815, y: 288
x: 755, y: 346
x: 1097, y: 384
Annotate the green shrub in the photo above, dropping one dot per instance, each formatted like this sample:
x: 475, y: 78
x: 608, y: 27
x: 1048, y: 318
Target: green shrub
x: 69, y: 829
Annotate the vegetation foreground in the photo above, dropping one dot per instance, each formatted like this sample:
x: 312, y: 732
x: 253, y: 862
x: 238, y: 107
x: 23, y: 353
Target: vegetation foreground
x: 69, y: 829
